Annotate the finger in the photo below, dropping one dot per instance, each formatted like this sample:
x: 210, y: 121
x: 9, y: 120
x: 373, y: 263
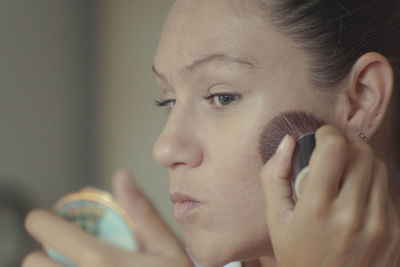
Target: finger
x: 39, y: 259
x: 62, y: 236
x: 154, y: 234
x: 277, y: 186
x: 356, y: 179
x: 386, y: 252
x: 393, y: 253
x: 376, y: 214
x: 378, y: 191
x: 326, y: 166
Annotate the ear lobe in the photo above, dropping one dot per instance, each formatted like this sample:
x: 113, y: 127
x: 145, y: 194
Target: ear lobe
x: 365, y: 99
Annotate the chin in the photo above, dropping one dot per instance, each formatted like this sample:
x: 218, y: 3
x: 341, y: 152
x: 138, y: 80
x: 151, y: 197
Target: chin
x: 207, y: 257
x: 217, y: 251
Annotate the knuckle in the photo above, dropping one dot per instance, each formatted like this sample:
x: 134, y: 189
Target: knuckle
x: 349, y: 223
x: 335, y: 143
x: 363, y: 149
x: 327, y: 130
x: 376, y: 232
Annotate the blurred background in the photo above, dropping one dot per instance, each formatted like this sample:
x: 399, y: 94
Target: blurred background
x: 76, y: 103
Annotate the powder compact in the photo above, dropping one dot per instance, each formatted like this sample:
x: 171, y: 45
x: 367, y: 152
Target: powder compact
x: 96, y: 212
x: 301, y: 157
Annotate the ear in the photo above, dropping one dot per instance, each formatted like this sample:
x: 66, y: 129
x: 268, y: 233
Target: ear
x: 363, y: 103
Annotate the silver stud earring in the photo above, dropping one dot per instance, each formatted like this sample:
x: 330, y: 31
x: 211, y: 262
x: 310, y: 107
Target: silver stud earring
x: 362, y: 136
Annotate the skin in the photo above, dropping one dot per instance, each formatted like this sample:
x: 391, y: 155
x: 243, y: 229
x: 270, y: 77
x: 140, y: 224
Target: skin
x: 211, y: 151
x: 220, y: 163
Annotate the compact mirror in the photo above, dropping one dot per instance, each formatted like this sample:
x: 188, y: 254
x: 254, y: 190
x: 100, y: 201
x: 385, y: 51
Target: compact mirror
x: 96, y: 212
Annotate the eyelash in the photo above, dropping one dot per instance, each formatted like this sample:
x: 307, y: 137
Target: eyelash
x: 211, y: 97
x: 165, y: 102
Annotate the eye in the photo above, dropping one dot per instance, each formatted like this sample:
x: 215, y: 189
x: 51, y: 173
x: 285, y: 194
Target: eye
x: 165, y: 102
x: 221, y: 100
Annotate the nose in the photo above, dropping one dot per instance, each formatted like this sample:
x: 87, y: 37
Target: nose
x: 178, y: 143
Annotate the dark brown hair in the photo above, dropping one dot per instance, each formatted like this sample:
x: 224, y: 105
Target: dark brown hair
x: 336, y: 33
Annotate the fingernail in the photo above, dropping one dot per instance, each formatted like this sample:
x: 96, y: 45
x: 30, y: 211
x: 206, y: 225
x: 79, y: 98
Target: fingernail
x: 283, y: 143
x: 299, y: 183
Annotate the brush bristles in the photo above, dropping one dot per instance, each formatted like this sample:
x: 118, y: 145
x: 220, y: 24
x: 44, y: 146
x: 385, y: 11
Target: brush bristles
x: 294, y: 123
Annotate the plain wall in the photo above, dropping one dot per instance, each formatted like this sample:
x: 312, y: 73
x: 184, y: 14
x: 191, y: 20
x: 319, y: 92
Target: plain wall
x: 45, y: 139
x: 44, y: 94
x: 127, y: 121
x: 77, y: 92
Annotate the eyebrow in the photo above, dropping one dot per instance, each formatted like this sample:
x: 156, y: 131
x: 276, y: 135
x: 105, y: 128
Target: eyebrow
x: 222, y: 57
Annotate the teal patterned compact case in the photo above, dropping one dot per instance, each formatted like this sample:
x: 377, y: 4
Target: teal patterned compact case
x: 96, y: 212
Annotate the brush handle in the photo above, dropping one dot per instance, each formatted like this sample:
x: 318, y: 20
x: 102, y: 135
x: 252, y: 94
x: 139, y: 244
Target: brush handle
x: 304, y: 147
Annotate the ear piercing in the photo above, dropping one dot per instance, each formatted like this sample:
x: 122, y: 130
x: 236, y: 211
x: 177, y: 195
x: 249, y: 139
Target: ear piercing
x: 362, y: 136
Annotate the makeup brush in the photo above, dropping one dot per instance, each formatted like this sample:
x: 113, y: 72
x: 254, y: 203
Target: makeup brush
x: 301, y: 126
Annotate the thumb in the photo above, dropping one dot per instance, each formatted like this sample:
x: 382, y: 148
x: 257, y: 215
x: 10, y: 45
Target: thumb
x: 153, y: 233
x: 277, y: 185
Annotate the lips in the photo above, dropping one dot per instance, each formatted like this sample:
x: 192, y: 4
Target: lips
x: 184, y: 206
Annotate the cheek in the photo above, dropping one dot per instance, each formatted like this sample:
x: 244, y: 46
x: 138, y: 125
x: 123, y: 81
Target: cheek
x: 234, y: 193
x: 234, y: 142
x: 233, y: 152
x: 233, y: 163
x: 242, y: 190
x: 237, y: 164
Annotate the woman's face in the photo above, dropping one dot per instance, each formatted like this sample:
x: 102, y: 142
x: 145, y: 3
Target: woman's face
x: 230, y: 74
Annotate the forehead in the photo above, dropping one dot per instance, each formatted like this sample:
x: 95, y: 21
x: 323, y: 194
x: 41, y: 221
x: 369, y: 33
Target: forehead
x: 196, y: 28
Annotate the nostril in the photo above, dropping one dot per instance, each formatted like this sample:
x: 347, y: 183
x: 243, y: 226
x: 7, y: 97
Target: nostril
x: 177, y: 164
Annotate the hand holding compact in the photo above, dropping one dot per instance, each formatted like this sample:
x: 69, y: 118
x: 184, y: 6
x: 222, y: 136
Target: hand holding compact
x: 159, y: 246
x: 344, y: 216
